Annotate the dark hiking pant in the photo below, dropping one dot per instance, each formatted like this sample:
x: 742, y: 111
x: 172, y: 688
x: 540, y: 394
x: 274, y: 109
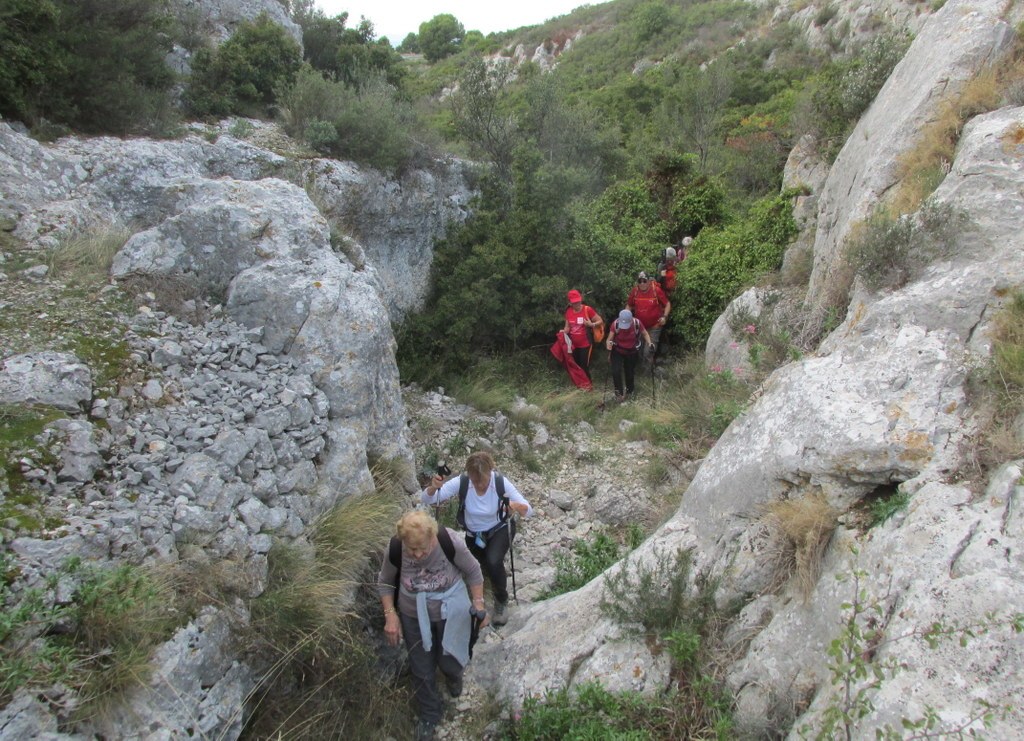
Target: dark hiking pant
x: 624, y: 366
x: 424, y: 665
x: 582, y: 357
x: 492, y: 557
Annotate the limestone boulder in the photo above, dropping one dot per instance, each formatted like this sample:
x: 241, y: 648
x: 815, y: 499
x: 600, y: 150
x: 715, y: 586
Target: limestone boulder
x: 48, y: 378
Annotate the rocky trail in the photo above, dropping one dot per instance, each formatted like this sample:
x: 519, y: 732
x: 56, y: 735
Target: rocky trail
x: 589, y: 482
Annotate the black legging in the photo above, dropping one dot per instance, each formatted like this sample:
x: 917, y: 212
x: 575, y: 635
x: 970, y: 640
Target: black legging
x: 582, y: 357
x: 624, y: 365
x: 492, y: 558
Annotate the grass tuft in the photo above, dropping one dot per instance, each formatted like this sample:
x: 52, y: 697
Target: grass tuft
x: 324, y: 680
x: 800, y: 529
x: 87, y: 257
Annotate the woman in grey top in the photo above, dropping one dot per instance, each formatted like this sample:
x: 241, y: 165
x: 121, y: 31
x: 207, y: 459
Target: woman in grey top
x: 433, y: 609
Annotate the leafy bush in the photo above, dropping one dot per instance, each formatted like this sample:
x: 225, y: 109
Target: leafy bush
x: 242, y: 74
x: 888, y: 251
x: 95, y: 65
x: 582, y: 564
x: 725, y: 260
x: 839, y: 95
x: 441, y: 37
x: 368, y: 123
x: 98, y: 644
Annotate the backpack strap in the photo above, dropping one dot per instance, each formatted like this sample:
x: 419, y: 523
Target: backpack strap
x: 460, y: 516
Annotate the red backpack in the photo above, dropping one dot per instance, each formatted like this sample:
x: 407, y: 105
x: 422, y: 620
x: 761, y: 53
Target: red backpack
x: 628, y: 341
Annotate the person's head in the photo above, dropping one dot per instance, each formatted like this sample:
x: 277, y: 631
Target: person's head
x: 670, y: 253
x: 625, y: 320
x: 687, y: 241
x: 417, y: 529
x: 575, y: 297
x: 643, y: 280
x: 478, y: 467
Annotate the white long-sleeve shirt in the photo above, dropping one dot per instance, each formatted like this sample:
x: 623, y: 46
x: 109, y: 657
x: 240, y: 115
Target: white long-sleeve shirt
x: 481, y: 509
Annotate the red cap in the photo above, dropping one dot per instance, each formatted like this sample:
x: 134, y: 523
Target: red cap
x: 575, y: 296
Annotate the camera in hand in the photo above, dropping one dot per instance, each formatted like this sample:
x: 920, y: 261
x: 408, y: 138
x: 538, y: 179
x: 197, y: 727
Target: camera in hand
x: 443, y: 470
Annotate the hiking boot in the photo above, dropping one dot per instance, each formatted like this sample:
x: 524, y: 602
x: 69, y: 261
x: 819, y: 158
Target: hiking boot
x: 454, y: 686
x: 425, y: 731
x: 500, y: 613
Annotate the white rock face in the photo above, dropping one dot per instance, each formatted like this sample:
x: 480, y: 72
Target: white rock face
x: 956, y: 43
x: 215, y: 214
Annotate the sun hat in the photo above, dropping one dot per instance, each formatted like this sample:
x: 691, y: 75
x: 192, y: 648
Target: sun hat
x: 687, y: 241
x: 625, y: 320
x: 575, y: 296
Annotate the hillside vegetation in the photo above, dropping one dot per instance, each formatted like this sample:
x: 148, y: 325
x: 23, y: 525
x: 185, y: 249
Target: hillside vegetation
x: 660, y: 120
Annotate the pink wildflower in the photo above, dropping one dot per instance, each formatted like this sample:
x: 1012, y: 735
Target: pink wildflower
x: 716, y: 369
x: 750, y: 329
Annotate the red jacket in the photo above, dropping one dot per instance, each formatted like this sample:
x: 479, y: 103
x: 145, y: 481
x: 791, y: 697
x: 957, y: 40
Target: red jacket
x: 647, y: 306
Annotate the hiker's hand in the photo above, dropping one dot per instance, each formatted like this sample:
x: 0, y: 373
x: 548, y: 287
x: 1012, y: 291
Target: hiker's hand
x: 609, y: 344
x: 486, y: 621
x: 392, y: 629
x: 435, y: 484
x: 519, y: 508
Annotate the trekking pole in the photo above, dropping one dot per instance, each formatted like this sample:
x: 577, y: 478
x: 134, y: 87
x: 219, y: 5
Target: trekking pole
x: 512, y: 558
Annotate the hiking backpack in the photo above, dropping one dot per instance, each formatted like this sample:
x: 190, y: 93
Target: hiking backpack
x: 499, y: 487
x: 633, y: 339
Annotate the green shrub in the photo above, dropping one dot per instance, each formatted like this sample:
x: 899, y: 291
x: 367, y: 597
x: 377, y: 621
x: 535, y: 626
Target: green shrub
x: 242, y: 74
x: 99, y: 643
x: 888, y: 251
x: 997, y: 392
x: 369, y: 123
x: 655, y: 598
x: 95, y: 65
x: 883, y: 508
x: 582, y: 564
x: 725, y: 260
x: 837, y: 97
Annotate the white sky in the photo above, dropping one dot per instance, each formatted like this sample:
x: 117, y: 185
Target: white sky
x: 397, y: 18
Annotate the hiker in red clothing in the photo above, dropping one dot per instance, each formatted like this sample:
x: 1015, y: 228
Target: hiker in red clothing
x: 625, y: 339
x: 651, y: 306
x: 580, y: 321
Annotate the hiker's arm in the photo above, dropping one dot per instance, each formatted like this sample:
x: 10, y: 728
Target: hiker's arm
x: 647, y: 337
x: 439, y: 490
x: 516, y: 501
x: 565, y: 327
x: 665, y: 311
x: 392, y: 625
x: 386, y: 592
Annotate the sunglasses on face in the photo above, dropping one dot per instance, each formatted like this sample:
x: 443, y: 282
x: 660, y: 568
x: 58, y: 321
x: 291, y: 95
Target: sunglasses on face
x: 643, y: 280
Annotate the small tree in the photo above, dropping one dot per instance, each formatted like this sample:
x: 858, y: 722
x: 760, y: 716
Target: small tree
x: 441, y: 37
x: 243, y: 74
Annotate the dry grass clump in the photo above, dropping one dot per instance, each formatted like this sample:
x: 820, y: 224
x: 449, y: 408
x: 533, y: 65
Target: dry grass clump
x: 997, y: 391
x: 923, y: 168
x: 324, y: 680
x: 800, y: 531
x: 87, y: 257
